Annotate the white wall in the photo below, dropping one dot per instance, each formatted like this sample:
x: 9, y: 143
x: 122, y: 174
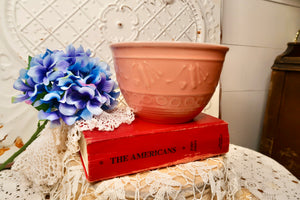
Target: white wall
x: 256, y: 32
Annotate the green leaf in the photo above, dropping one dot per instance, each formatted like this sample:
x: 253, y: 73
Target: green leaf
x: 43, y: 107
x: 29, y: 60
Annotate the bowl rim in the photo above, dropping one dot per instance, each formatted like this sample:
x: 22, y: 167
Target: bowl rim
x: 172, y: 44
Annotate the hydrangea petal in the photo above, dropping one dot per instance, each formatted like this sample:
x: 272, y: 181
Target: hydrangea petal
x: 92, y: 78
x: 38, y: 89
x: 112, y: 105
x: 51, y: 96
x: 108, y: 85
x: 47, y: 61
x: 36, y: 61
x: 62, y: 66
x: 58, y: 56
x: 107, y: 97
x: 37, y: 73
x: 30, y: 82
x: 88, y: 52
x: 20, y: 85
x: 102, y: 98
x: 23, y: 73
x: 80, y: 49
x: 37, y: 103
x: 67, y: 109
x: 72, y: 97
x: 75, y: 68
x: 66, y: 82
x: 75, y: 99
x: 19, y: 98
x: 48, y: 115
x: 46, y: 80
x: 69, y: 120
x: 63, y: 81
x: 102, y: 77
x: 55, y: 123
x: 70, y: 50
x: 104, y: 65
x: 87, y: 91
x: 94, y: 107
x: 48, y: 52
x: 86, y: 114
x: 85, y: 63
x: 55, y: 75
x: 114, y: 94
x: 80, y: 104
x: 105, y: 68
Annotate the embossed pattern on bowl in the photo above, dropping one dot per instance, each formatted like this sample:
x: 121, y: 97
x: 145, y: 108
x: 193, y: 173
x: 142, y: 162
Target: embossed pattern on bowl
x: 167, y: 82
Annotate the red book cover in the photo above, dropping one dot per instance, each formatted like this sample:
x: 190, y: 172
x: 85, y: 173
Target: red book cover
x: 143, y: 145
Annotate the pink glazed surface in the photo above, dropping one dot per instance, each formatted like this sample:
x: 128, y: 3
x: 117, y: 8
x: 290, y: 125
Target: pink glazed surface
x: 167, y: 82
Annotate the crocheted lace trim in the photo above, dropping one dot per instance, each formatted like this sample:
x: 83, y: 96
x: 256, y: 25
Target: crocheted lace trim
x: 51, y: 168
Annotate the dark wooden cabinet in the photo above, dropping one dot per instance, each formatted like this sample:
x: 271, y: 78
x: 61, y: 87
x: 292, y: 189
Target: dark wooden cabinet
x: 281, y: 130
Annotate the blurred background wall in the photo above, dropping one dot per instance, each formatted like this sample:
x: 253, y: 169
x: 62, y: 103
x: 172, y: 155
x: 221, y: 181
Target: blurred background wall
x: 256, y: 32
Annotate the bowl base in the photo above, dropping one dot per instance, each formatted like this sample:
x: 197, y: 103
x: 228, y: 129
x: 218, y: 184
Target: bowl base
x: 167, y: 117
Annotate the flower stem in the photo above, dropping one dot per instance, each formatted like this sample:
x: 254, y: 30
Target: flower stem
x: 33, y: 137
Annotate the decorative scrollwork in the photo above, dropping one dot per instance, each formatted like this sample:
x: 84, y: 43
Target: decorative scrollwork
x: 171, y: 101
x: 119, y: 23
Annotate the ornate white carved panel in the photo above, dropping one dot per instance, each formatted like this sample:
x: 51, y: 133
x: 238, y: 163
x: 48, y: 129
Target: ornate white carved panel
x: 28, y: 27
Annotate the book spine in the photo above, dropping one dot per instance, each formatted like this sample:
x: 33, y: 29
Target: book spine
x: 112, y: 158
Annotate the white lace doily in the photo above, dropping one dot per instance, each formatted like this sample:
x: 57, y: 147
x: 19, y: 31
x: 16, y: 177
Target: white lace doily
x: 50, y: 168
x: 261, y: 175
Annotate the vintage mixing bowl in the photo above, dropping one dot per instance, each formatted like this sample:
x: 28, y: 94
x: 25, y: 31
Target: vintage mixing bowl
x: 167, y: 82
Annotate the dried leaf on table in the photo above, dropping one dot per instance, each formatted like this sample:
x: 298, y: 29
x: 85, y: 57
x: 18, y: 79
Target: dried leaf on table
x: 2, y: 134
x: 19, y: 142
x: 2, y: 150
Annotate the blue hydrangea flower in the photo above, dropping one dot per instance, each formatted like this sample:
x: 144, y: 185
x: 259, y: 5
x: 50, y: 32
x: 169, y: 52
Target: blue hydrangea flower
x: 68, y: 85
x: 47, y: 67
x: 30, y: 90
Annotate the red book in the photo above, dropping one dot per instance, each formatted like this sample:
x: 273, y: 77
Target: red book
x: 144, y: 146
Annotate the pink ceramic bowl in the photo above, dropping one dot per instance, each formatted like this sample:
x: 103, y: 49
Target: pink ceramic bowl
x: 167, y: 82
